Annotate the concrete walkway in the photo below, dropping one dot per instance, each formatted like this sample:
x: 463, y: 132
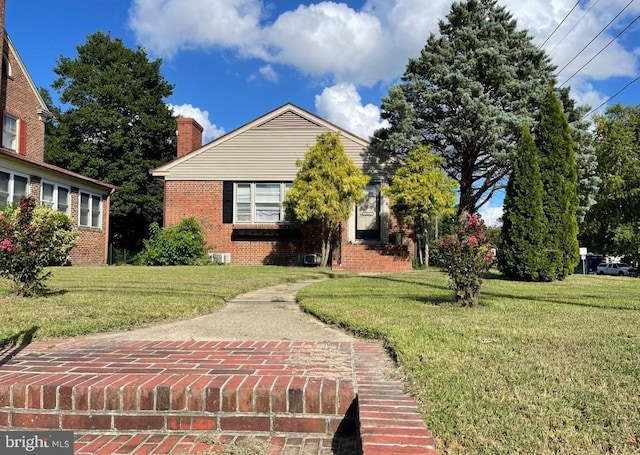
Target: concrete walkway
x: 265, y: 314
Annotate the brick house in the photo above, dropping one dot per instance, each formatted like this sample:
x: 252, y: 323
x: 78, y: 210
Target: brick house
x: 23, y: 170
x: 234, y: 187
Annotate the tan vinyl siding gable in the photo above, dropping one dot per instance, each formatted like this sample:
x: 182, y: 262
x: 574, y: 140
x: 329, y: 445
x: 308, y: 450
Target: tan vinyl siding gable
x: 265, y: 152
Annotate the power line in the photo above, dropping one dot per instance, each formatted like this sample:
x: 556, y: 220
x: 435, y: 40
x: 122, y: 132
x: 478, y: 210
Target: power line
x: 558, y: 26
x: 574, y: 27
x: 594, y: 38
x: 602, y: 50
x: 612, y: 97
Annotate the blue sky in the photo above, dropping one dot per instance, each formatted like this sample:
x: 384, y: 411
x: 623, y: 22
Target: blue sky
x: 234, y: 60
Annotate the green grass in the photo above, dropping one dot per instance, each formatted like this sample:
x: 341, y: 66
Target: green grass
x: 538, y: 368
x: 83, y: 300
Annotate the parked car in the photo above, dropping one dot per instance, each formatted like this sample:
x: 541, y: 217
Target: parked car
x: 615, y: 268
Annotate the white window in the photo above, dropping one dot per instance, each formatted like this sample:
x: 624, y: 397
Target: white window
x: 90, y: 210
x: 10, y: 132
x: 55, y: 196
x: 260, y: 202
x: 12, y: 187
x: 243, y: 203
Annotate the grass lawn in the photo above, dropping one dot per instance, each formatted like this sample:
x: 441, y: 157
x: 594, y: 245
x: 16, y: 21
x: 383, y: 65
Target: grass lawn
x: 82, y: 300
x: 538, y: 368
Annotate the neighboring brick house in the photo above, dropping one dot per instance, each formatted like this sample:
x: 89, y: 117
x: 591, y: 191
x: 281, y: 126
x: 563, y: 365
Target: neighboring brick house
x: 234, y: 187
x: 24, y: 172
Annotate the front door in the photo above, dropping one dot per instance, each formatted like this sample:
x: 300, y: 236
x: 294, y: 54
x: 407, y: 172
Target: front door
x: 368, y: 215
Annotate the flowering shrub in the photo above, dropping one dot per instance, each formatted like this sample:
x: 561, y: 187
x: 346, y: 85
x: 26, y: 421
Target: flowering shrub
x: 467, y: 255
x: 32, y: 238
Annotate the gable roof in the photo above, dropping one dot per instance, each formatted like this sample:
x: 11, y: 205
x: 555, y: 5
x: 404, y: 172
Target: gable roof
x: 289, y: 118
x: 23, y: 68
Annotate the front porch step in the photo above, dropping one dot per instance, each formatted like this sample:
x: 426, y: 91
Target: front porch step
x: 373, y: 258
x: 166, y: 387
x: 158, y: 397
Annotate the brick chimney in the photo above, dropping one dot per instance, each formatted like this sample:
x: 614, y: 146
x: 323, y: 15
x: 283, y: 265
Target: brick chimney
x: 189, y: 135
x: 2, y: 9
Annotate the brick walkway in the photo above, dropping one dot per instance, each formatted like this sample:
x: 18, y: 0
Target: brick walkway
x: 140, y: 397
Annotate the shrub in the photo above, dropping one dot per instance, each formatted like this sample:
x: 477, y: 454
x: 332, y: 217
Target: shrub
x: 182, y: 244
x: 32, y: 238
x: 467, y: 255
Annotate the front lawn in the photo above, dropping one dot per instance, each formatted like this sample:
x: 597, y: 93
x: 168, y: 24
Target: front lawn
x: 546, y: 368
x: 82, y: 300
x: 538, y: 368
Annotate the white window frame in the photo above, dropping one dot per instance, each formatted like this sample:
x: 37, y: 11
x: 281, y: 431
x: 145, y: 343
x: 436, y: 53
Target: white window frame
x: 90, y: 212
x: 253, y: 215
x: 10, y: 138
x: 56, y: 200
x: 11, y: 195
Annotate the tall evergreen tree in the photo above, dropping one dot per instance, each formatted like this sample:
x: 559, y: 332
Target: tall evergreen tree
x: 584, y: 146
x: 116, y: 129
x: 559, y: 183
x: 470, y: 92
x: 521, y: 254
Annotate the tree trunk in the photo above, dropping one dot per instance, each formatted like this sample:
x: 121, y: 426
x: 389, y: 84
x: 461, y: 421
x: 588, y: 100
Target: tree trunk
x: 325, y: 236
x: 426, y: 247
x: 422, y: 243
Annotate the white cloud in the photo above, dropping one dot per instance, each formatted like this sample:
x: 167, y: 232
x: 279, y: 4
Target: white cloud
x: 341, y: 104
x: 371, y: 44
x: 321, y: 39
x: 165, y: 27
x: 341, y: 44
x: 209, y: 130
x: 269, y: 73
x: 327, y: 38
x: 585, y: 94
x: 491, y: 214
x: 581, y: 26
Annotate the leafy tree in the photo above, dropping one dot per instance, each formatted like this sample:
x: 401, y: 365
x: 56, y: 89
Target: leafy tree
x: 181, y: 244
x: 422, y: 192
x: 390, y: 146
x: 612, y: 226
x: 523, y: 229
x: 32, y: 238
x: 116, y: 128
x: 469, y: 94
x: 559, y: 183
x: 584, y: 146
x: 326, y: 189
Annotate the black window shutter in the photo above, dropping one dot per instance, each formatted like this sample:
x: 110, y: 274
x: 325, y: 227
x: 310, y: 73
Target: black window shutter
x: 227, y: 202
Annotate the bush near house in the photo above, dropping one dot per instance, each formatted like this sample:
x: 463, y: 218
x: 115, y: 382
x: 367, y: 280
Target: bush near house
x: 32, y: 238
x: 182, y: 244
